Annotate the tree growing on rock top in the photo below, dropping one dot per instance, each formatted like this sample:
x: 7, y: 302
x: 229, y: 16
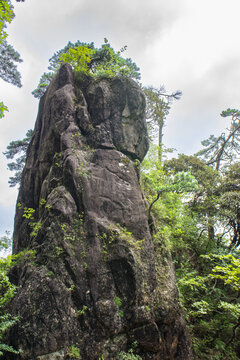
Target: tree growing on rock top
x: 92, y: 61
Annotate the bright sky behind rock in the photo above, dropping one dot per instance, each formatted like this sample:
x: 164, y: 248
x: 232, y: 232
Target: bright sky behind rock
x: 190, y: 45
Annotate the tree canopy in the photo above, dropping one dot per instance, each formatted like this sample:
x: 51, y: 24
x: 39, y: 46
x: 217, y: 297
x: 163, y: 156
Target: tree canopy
x: 225, y: 147
x: 158, y: 106
x: 202, y: 229
x: 8, y: 55
x: 92, y: 61
x: 17, y: 150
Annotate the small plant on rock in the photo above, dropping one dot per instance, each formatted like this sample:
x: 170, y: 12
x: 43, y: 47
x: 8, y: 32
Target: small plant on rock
x: 128, y: 355
x: 74, y: 352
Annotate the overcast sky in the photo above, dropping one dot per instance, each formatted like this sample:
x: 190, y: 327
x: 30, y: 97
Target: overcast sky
x: 191, y: 45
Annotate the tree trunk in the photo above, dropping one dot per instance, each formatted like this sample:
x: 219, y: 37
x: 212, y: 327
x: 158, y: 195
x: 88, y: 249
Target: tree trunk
x: 160, y: 138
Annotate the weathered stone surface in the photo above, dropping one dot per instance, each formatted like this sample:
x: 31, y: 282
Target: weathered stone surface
x: 96, y: 281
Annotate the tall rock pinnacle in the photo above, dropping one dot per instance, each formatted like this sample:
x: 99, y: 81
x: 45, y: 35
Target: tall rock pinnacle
x: 95, y: 284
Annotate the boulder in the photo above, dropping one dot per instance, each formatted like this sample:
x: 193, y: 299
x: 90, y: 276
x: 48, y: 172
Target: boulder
x: 94, y: 282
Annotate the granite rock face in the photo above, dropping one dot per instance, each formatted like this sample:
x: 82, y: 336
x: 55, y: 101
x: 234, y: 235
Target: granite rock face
x: 95, y: 281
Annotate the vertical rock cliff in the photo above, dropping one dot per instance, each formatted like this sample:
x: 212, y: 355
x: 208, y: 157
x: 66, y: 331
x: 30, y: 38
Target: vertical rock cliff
x: 95, y: 283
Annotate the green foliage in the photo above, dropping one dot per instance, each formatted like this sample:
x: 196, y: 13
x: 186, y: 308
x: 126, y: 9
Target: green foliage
x: 158, y: 106
x: 157, y: 183
x: 212, y: 305
x: 6, y: 16
x: 59, y: 250
x: 3, y: 108
x: 79, y: 58
x: 17, y: 150
x: 206, y: 177
x: 36, y: 226
x: 5, y: 347
x: 7, y: 291
x: 43, y: 84
x: 83, y: 310
x: 50, y: 273
x: 228, y: 203
x: 29, y: 215
x: 74, y: 352
x: 153, y: 173
x: 224, y: 148
x: 121, y: 313
x: 228, y: 271
x: 118, y: 301
x: 86, y: 59
x: 8, y: 55
x: 215, y: 204
x: 8, y: 69
x: 5, y: 243
x: 202, y: 228
x: 130, y: 355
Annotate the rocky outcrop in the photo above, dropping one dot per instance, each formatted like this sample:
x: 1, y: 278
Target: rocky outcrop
x: 94, y: 283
